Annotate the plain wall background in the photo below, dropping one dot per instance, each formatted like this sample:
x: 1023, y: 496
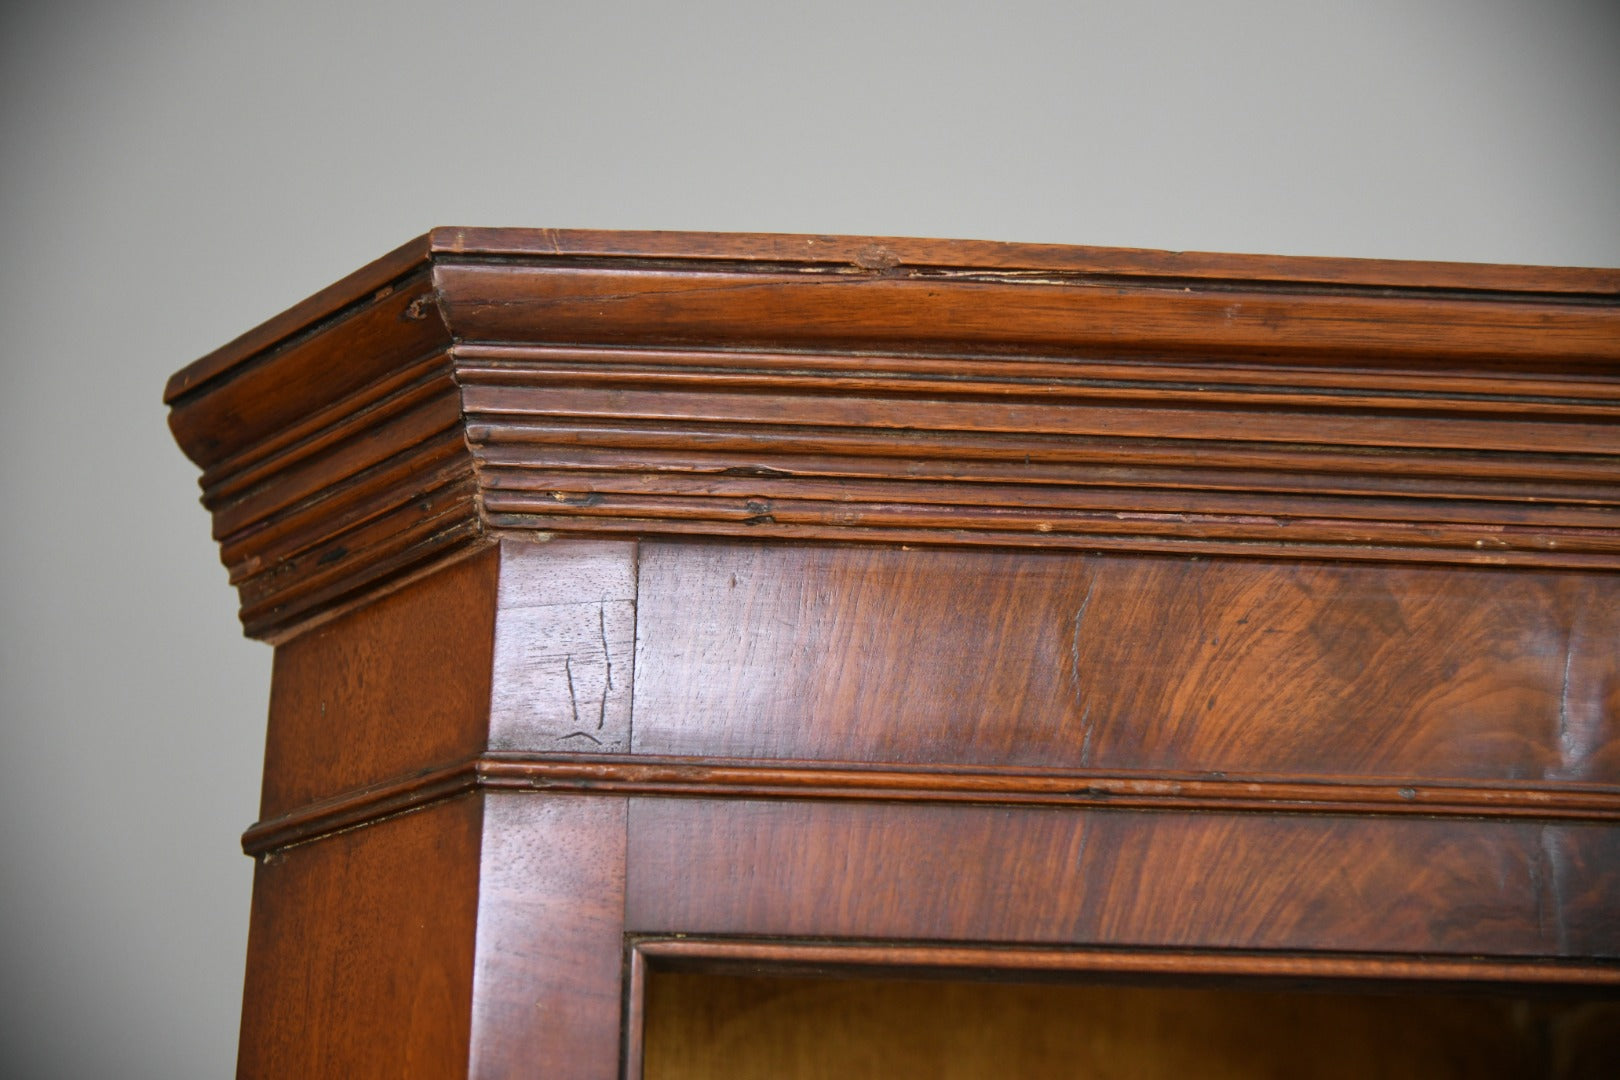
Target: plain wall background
x: 173, y: 173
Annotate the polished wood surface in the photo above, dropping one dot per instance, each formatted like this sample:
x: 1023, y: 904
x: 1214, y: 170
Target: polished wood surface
x: 1206, y: 880
x: 701, y: 1026
x: 382, y: 692
x: 1242, y: 667
x: 707, y: 1026
x: 361, y: 951
x: 547, y: 988
x: 481, y: 382
x: 656, y: 607
x: 565, y: 643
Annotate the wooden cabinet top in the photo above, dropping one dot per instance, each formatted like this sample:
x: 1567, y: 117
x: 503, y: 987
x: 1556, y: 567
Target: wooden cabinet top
x: 481, y: 383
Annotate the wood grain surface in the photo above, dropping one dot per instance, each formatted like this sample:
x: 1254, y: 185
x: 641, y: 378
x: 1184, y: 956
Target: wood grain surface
x: 548, y: 988
x: 855, y: 253
x: 1240, y: 667
x: 391, y: 689
x: 1338, y: 972
x: 564, y: 647
x: 874, y: 308
x: 1127, y: 878
x: 701, y: 1026
x: 521, y: 382
x: 361, y: 951
x: 1006, y: 610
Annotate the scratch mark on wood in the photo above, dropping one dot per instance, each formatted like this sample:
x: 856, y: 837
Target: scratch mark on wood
x: 583, y: 735
x: 1538, y: 885
x: 635, y: 645
x: 573, y: 700
x: 1074, y: 674
x: 1563, y: 700
x: 1549, y: 851
x: 601, y: 625
x: 876, y: 257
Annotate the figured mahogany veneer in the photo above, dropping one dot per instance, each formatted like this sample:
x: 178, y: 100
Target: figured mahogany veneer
x: 735, y: 604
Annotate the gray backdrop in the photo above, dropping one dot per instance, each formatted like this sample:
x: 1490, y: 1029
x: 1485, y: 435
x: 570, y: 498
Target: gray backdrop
x: 175, y: 173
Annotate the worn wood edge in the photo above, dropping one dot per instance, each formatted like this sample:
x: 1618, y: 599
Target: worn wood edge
x: 285, y: 539
x: 879, y: 255
x: 732, y: 955
x: 583, y: 774
x: 632, y: 1050
x: 996, y: 314
x: 351, y: 567
x: 881, y: 252
x: 362, y: 492
x: 297, y: 513
x: 778, y: 450
x: 748, y: 254
x: 406, y: 387
x: 275, y: 625
x: 694, y: 452
x: 1275, y: 525
x: 305, y: 317
x: 592, y: 479
x: 353, y: 542
x: 978, y: 404
x: 1077, y: 378
x: 969, y: 534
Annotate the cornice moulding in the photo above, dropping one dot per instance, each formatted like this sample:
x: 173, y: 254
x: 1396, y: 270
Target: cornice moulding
x: 479, y: 383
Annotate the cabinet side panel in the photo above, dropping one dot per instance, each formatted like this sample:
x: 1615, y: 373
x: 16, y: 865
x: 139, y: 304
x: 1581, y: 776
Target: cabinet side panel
x: 550, y: 965
x: 1127, y: 664
x: 395, y: 687
x: 360, y: 951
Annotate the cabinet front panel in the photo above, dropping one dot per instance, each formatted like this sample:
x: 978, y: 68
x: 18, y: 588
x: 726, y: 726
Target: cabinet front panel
x: 1380, y: 884
x: 1118, y: 663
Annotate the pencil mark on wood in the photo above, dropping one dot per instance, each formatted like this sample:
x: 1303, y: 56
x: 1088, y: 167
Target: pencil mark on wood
x: 573, y: 699
x: 580, y: 735
x: 607, y: 679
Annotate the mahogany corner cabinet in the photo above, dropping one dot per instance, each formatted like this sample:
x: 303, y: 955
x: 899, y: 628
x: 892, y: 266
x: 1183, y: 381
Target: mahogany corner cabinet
x: 737, y: 655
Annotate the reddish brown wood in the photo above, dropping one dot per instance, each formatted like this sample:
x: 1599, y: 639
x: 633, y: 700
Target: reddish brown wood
x: 854, y: 253
x: 1123, y: 878
x: 880, y: 605
x: 848, y: 389
x: 360, y: 952
x: 401, y: 686
x: 564, y: 647
x: 1057, y: 964
x: 1199, y: 668
x: 375, y: 281
x: 550, y: 938
x: 719, y: 778
x: 882, y: 309
x: 703, y: 1025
